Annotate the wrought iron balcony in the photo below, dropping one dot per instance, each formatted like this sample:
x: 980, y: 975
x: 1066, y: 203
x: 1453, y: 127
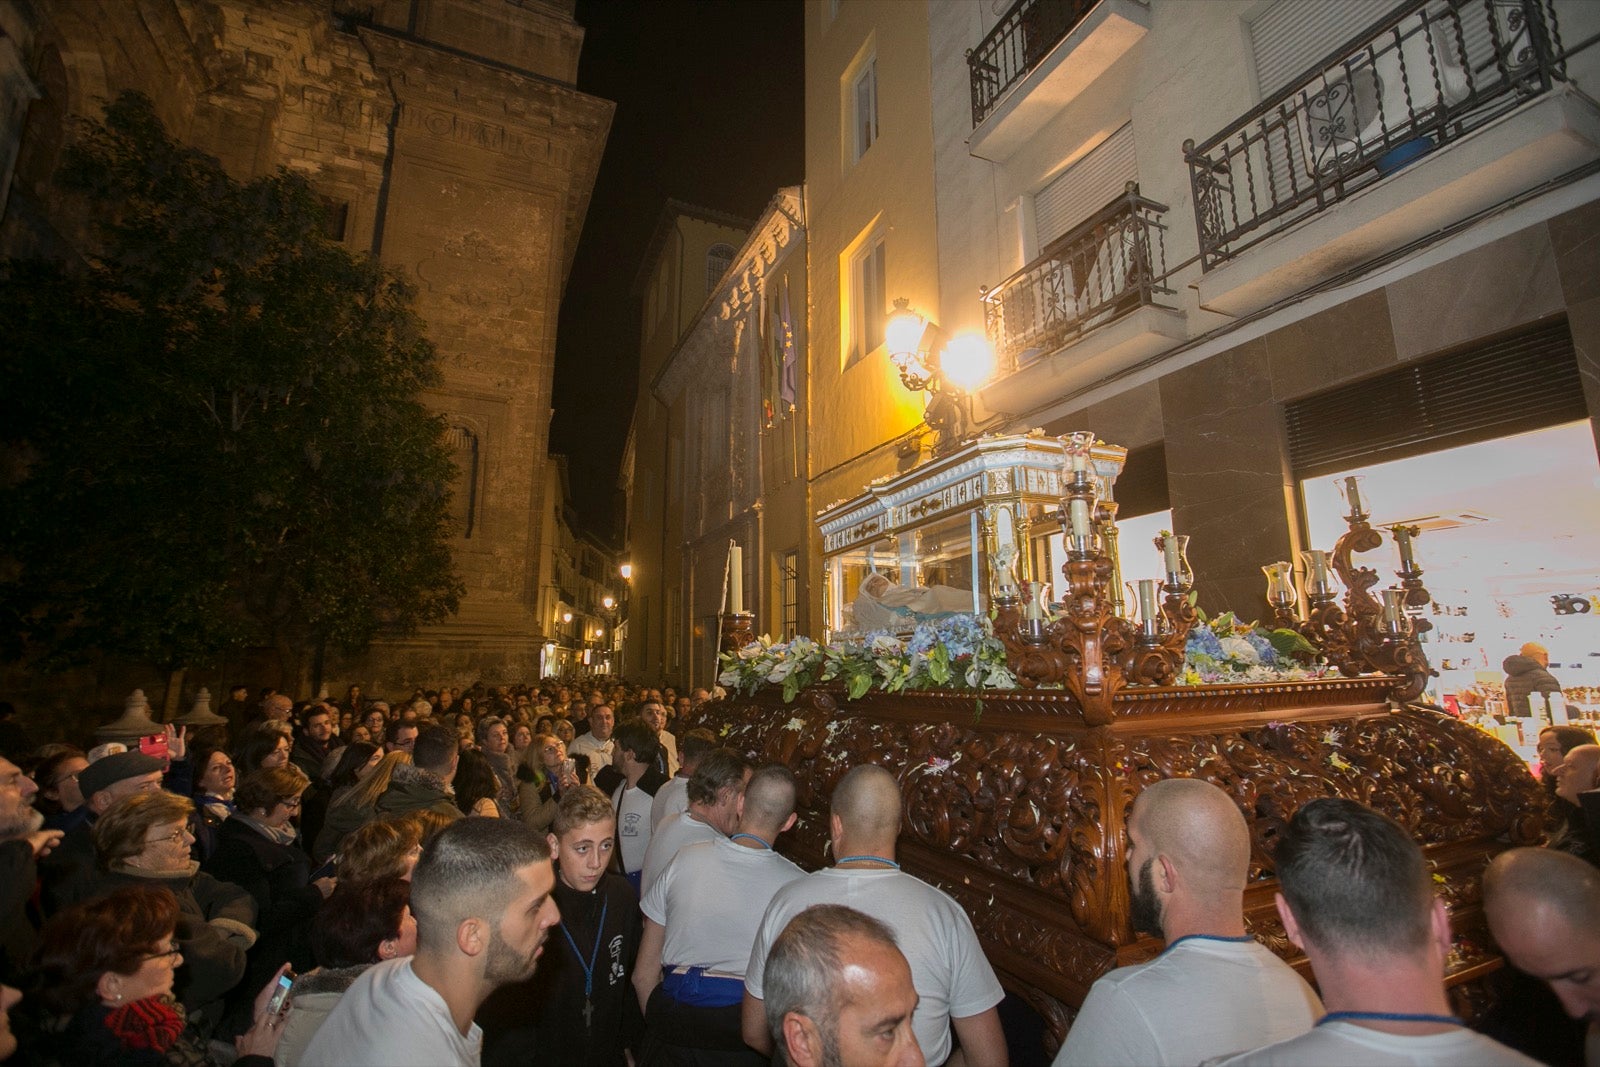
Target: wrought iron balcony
x: 1427, y: 74
x: 1113, y: 263
x: 1023, y: 36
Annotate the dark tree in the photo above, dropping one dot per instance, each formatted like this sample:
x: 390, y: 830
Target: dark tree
x: 211, y: 426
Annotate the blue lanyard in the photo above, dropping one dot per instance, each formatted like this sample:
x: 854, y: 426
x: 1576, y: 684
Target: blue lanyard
x: 1389, y: 1017
x: 875, y: 859
x: 594, y: 954
x: 752, y: 837
x: 1206, y: 937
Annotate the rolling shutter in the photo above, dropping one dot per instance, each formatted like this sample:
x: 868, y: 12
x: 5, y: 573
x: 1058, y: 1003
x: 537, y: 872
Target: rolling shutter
x: 1085, y: 187
x: 1522, y: 382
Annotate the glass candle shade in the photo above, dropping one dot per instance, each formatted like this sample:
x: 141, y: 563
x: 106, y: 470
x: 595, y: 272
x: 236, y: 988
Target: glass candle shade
x: 1280, y: 584
x: 1394, y: 609
x: 1174, y: 549
x: 1143, y: 592
x: 1076, y: 445
x: 1350, y: 489
x: 1320, y: 580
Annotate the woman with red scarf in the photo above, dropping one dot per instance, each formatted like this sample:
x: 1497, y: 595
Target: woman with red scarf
x: 101, y: 989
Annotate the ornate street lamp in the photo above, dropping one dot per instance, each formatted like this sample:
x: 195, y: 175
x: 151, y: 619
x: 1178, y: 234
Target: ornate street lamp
x: 949, y: 369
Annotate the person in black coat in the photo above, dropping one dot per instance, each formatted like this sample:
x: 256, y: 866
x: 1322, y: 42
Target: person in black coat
x: 1526, y: 673
x: 257, y: 851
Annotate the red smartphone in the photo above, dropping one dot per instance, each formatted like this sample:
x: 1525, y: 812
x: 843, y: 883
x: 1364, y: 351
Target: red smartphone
x: 154, y: 745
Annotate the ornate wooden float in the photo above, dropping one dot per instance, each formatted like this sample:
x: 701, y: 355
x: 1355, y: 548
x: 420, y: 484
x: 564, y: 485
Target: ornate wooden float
x: 1016, y: 800
x: 1017, y: 807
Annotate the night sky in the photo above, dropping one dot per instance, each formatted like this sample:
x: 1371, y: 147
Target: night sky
x: 709, y: 110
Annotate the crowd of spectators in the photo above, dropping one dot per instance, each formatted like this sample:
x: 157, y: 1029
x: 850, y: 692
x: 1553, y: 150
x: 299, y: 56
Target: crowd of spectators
x: 553, y: 875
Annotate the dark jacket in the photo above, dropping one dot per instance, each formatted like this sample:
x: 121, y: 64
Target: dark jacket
x: 216, y: 925
x: 413, y: 789
x: 1524, y: 675
x: 552, y: 1001
x: 19, y: 929
x: 343, y: 819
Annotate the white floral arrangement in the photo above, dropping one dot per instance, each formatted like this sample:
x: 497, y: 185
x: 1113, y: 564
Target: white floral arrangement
x: 951, y: 652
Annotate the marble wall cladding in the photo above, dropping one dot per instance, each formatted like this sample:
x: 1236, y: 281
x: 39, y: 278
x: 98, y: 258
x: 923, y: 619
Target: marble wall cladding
x: 1131, y: 419
x: 1342, y: 344
x: 1575, y: 237
x: 1227, y: 473
x: 1584, y: 318
x: 1502, y: 285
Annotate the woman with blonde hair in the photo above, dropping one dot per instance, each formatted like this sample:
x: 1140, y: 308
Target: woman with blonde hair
x: 144, y: 840
x: 384, y: 848
x: 356, y: 806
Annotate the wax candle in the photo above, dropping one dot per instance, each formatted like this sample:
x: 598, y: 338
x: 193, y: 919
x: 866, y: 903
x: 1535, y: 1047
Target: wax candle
x: 736, y: 579
x: 1147, y: 599
x: 1352, y: 490
x: 1393, y: 607
x: 1078, y: 511
x: 1169, y: 553
x: 1402, y: 537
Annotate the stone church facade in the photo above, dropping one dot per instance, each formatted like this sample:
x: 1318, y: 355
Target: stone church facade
x: 449, y: 140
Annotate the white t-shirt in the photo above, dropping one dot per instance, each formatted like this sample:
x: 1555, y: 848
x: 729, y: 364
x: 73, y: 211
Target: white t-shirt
x: 392, y: 1018
x: 948, y: 968
x: 670, y: 799
x: 1201, y: 997
x: 673, y: 833
x: 633, y: 825
x: 690, y: 899
x: 599, y: 752
x: 1339, y: 1043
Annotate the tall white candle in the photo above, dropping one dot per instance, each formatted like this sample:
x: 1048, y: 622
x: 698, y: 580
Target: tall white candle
x: 1402, y: 537
x: 1169, y: 553
x: 1078, y: 512
x: 1319, y: 568
x: 1147, y: 599
x: 735, y: 579
x: 1352, y: 490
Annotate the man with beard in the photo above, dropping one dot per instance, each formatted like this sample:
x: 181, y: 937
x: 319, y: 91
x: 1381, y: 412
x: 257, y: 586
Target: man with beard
x: 481, y: 894
x: 22, y: 842
x: 955, y: 985
x: 1214, y: 990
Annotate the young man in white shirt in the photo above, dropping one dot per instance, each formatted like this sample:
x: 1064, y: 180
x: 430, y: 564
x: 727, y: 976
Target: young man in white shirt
x: 636, y: 759
x: 481, y: 894
x: 1357, y: 896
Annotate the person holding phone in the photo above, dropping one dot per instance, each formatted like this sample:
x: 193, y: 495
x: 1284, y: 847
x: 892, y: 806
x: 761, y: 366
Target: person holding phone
x: 101, y: 990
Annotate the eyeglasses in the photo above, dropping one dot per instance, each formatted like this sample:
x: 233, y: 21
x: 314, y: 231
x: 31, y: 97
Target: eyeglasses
x: 173, y: 838
x: 292, y: 803
x: 175, y: 954
x: 59, y: 782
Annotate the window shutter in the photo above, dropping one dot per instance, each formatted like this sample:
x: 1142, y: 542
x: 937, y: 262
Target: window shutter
x: 1290, y: 36
x: 1522, y: 382
x: 1085, y: 187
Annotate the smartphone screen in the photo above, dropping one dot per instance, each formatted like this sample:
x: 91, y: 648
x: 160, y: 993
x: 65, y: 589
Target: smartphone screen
x: 280, y: 996
x: 154, y: 745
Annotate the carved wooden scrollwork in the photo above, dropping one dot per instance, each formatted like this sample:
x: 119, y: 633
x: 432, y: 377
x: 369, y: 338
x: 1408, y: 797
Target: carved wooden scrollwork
x: 1020, y: 812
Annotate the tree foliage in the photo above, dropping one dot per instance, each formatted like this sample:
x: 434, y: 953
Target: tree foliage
x: 212, y: 425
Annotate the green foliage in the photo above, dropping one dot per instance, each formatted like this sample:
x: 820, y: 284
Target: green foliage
x: 212, y: 425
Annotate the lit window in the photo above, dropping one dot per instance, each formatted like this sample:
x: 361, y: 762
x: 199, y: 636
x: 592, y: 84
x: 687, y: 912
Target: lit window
x: 868, y: 302
x: 864, y: 93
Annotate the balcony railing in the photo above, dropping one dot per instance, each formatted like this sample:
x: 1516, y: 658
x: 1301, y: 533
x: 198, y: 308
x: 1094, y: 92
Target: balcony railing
x: 1023, y: 36
x: 1112, y: 264
x: 1429, y: 73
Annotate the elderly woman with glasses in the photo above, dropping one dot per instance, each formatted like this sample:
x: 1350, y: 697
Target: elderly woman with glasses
x: 144, y: 840
x: 257, y: 850
x: 102, y: 987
